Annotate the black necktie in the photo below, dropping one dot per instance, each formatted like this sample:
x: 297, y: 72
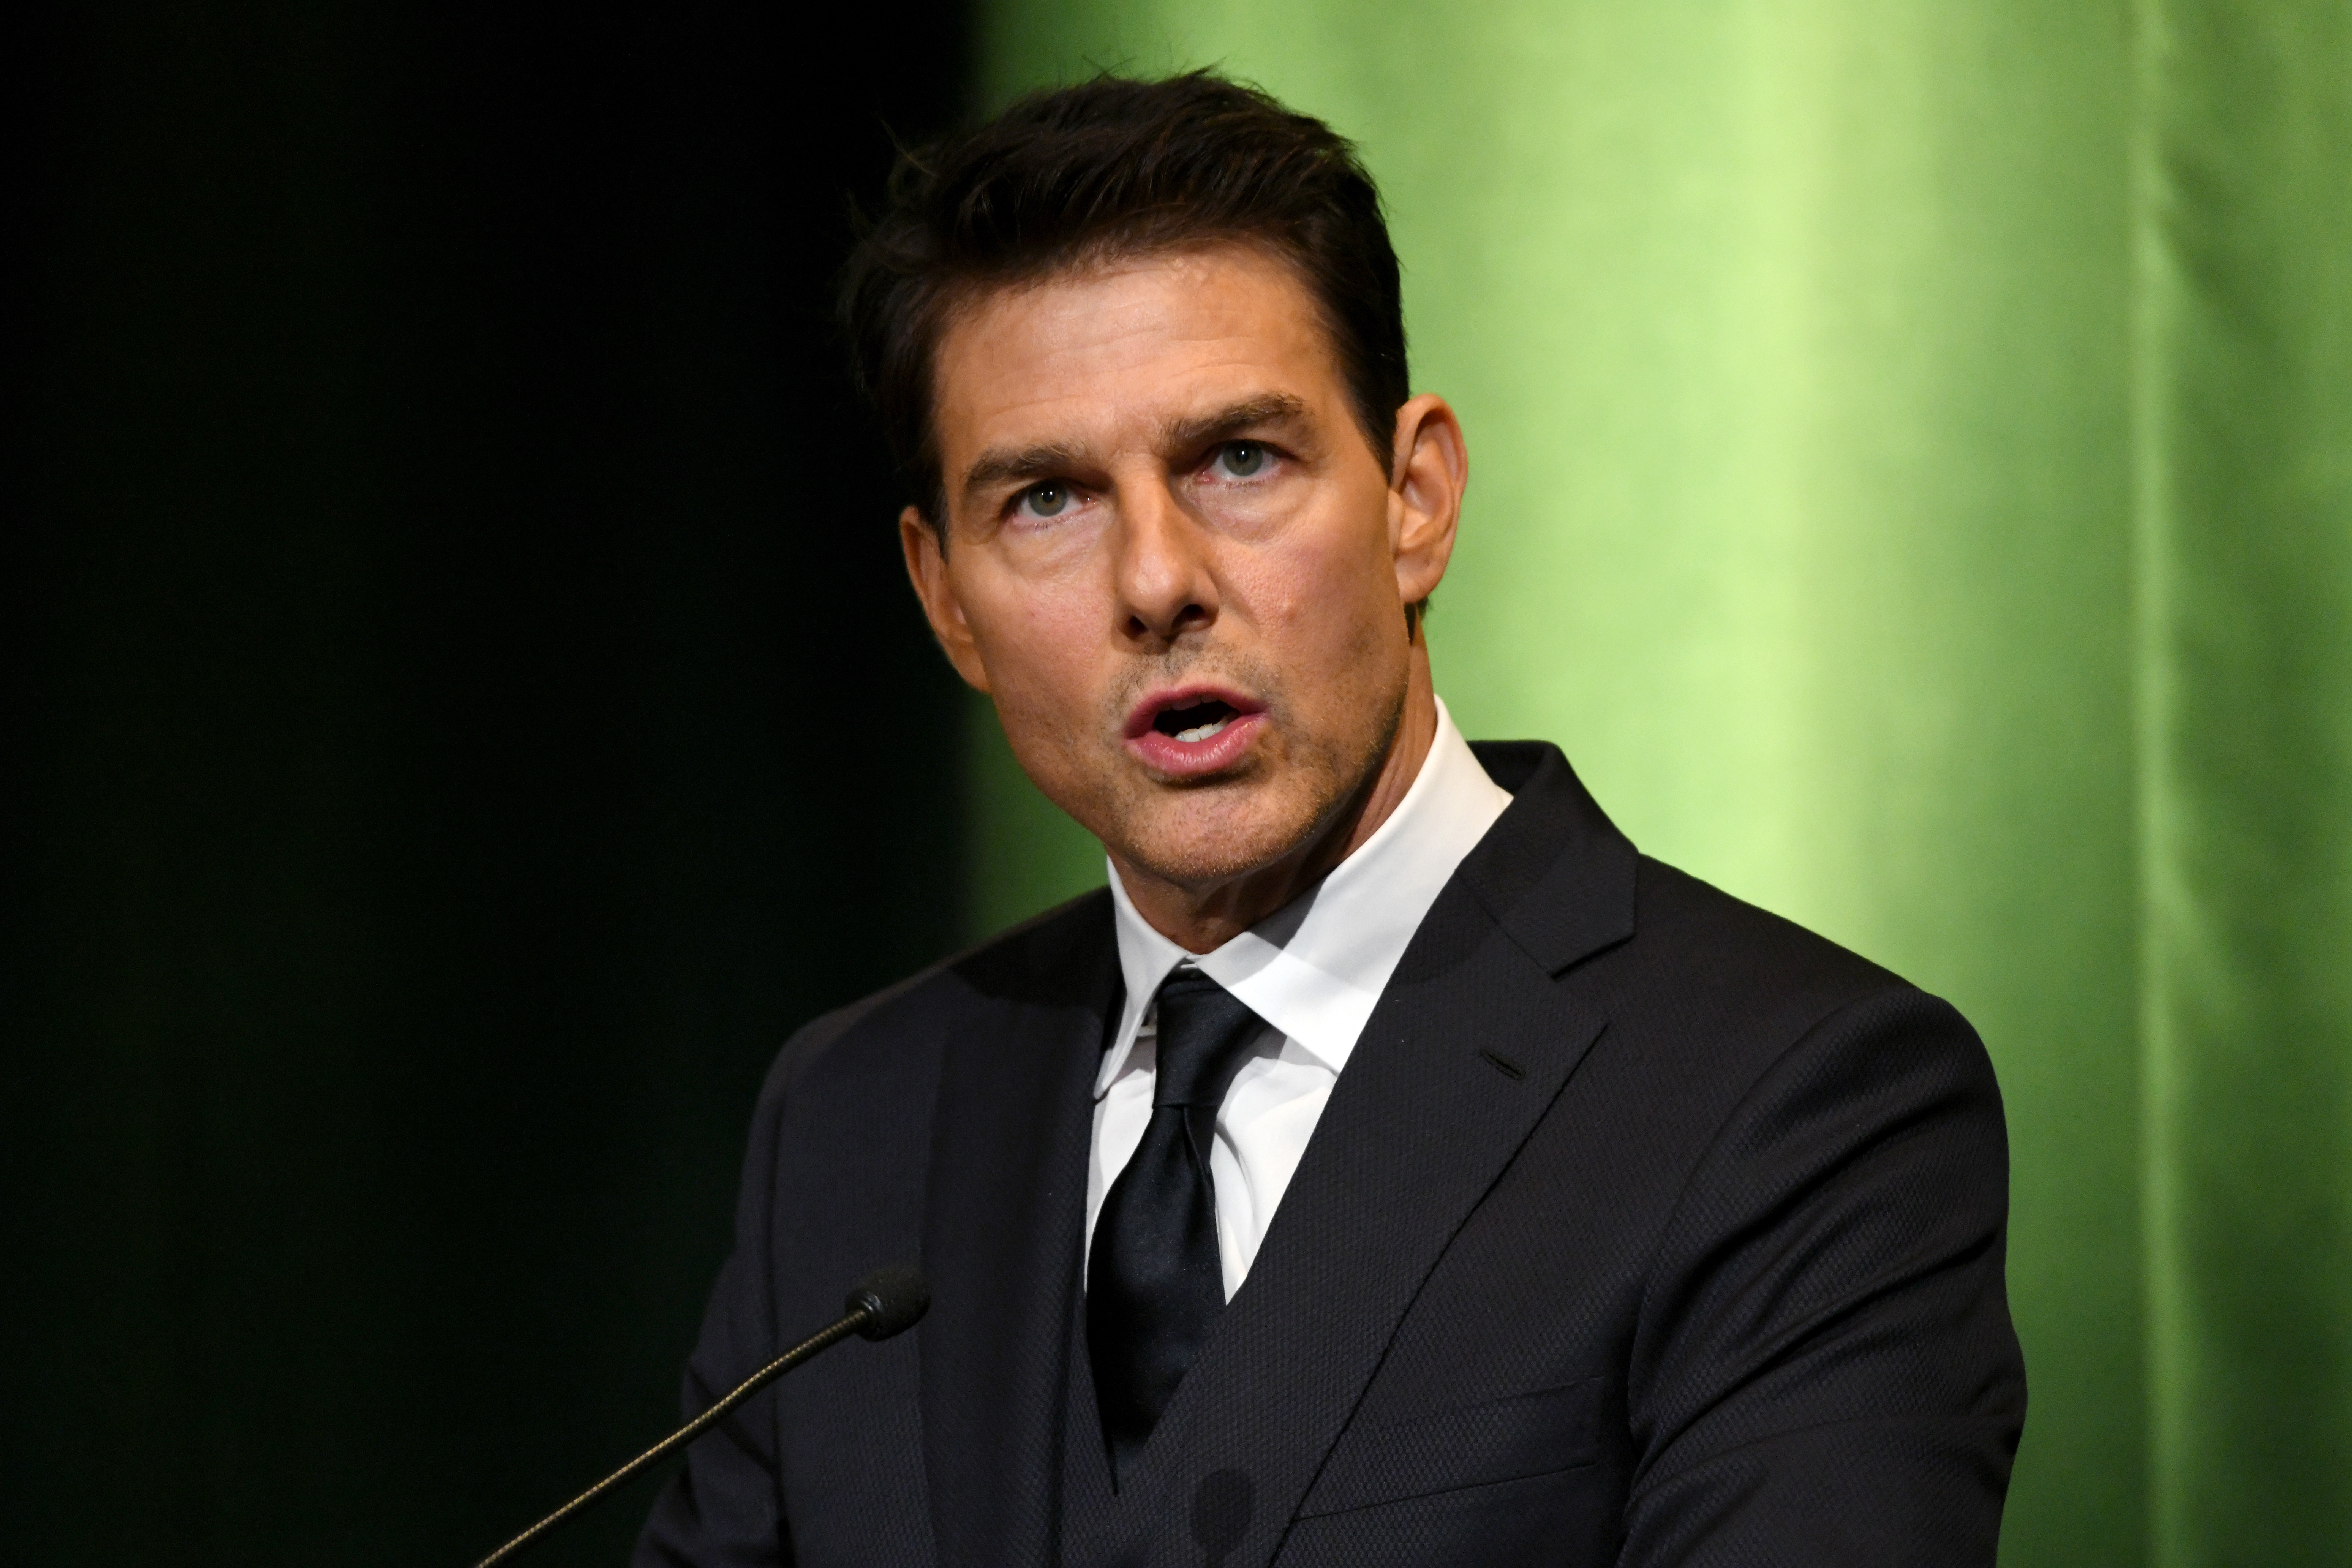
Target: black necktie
x: 1153, y: 1282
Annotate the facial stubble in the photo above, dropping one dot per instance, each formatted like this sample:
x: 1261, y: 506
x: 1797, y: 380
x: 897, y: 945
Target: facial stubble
x: 1200, y: 832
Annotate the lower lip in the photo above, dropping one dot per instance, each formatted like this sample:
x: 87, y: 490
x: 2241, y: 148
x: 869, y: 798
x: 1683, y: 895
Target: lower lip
x: 1189, y: 758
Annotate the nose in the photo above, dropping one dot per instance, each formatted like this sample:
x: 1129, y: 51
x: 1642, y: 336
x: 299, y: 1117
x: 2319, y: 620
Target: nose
x: 1161, y: 568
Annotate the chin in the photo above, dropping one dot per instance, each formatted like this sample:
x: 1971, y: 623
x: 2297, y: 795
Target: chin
x: 1201, y: 842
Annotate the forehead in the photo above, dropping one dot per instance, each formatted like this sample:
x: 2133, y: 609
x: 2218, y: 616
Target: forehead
x: 1111, y: 352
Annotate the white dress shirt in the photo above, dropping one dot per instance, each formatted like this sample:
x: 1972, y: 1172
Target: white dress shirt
x: 1313, y: 970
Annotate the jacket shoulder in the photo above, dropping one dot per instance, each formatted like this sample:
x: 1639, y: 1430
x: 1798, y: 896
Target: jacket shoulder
x: 1733, y: 945
x: 1056, y: 955
x: 1711, y: 988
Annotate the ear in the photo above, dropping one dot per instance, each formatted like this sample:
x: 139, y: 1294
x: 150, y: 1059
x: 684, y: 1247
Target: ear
x: 1429, y: 473
x: 927, y: 568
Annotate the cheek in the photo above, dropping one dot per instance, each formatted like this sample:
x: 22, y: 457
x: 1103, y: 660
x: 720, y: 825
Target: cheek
x: 1325, y: 604
x: 1039, y: 639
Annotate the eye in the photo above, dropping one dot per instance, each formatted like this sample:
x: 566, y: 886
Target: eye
x: 1048, y: 499
x: 1242, y: 458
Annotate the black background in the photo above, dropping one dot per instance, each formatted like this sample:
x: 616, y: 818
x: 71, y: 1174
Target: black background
x: 464, y: 710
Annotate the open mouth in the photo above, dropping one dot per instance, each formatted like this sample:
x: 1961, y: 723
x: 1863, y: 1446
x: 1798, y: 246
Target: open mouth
x: 1193, y: 734
x: 1200, y: 718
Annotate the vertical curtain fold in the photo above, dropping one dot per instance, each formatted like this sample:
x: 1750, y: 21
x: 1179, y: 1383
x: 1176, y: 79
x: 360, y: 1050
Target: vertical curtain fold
x: 2244, y: 290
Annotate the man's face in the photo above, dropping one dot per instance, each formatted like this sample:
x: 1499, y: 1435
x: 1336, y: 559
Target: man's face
x: 1173, y: 559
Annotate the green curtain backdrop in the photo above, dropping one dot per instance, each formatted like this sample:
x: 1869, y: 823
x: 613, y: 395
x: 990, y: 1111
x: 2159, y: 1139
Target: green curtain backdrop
x: 2242, y: 300
x: 1912, y: 454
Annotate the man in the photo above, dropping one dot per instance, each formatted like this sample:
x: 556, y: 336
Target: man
x: 1391, y: 1166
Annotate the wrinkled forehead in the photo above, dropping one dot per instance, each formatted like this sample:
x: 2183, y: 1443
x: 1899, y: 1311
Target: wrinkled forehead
x: 1105, y: 354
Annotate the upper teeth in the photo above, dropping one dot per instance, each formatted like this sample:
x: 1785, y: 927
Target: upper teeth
x: 1202, y: 731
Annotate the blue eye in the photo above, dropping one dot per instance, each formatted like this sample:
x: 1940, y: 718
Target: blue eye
x: 1045, y: 500
x: 1243, y: 458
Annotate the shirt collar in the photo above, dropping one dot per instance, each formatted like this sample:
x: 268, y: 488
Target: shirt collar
x: 1315, y: 968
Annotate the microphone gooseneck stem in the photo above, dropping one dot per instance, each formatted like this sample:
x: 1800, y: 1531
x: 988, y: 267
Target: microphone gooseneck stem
x: 831, y: 1333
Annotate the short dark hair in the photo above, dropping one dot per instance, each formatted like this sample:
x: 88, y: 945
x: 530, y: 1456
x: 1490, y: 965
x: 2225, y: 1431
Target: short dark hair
x: 1108, y: 168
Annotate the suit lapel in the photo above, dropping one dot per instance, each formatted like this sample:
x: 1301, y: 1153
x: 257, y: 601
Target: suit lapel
x: 1469, y: 1046
x: 1002, y: 1220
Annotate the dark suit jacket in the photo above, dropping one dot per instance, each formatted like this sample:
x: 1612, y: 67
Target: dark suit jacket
x: 1644, y: 1227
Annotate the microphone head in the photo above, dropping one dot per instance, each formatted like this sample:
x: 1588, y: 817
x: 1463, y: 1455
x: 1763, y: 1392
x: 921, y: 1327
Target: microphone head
x: 894, y: 1300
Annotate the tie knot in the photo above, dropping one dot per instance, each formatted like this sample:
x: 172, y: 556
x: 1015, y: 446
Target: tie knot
x: 1204, y: 1031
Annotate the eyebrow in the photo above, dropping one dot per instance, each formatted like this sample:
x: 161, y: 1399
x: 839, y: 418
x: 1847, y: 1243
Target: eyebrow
x: 1271, y: 408
x: 999, y: 464
x: 1049, y: 458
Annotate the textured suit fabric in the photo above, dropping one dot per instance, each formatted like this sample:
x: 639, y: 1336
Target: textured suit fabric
x: 1644, y: 1227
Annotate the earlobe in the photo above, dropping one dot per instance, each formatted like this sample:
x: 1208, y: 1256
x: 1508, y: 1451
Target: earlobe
x: 926, y: 569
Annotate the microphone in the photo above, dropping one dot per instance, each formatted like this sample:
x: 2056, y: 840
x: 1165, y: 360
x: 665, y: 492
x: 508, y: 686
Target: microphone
x: 885, y: 1302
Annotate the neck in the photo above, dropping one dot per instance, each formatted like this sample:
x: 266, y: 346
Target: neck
x: 1204, y: 918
